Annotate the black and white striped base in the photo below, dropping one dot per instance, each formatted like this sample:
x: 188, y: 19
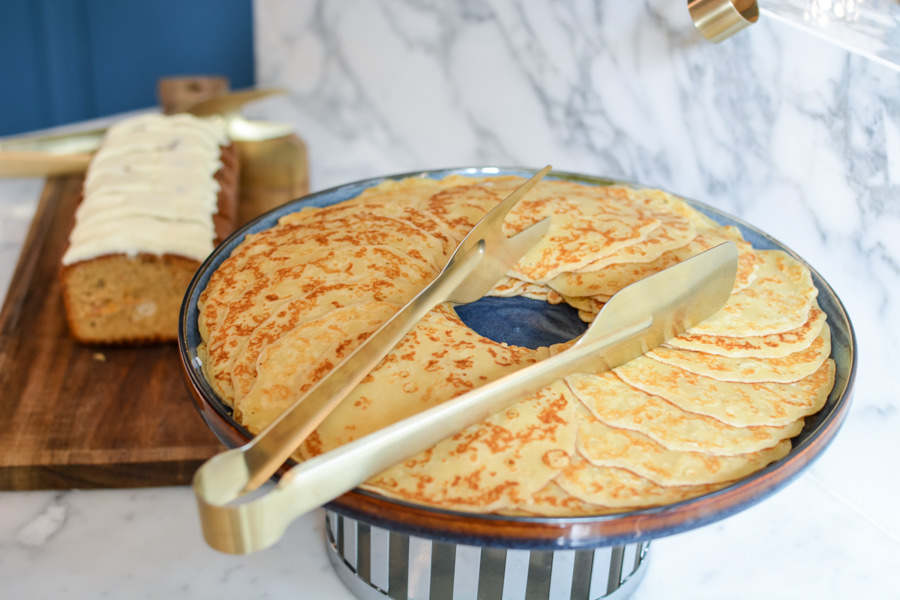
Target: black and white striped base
x: 376, y: 564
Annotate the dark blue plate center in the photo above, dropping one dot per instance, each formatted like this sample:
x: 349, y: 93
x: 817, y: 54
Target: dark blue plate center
x: 522, y: 321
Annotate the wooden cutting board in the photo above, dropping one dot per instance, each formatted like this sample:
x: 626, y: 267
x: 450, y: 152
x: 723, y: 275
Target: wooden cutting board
x: 76, y: 416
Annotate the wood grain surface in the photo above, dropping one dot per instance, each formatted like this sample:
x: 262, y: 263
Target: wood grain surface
x: 82, y: 416
x: 78, y: 416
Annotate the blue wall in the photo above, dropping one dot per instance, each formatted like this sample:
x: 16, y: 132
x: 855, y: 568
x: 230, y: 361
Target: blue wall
x: 69, y: 60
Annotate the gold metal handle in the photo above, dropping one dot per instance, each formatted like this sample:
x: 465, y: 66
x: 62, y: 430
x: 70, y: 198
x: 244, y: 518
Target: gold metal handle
x: 718, y: 20
x: 86, y: 142
x: 39, y: 164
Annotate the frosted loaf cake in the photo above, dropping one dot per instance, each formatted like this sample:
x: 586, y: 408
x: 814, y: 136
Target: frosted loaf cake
x: 158, y: 195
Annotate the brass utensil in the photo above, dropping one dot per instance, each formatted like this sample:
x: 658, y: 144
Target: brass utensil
x: 718, y: 20
x: 635, y: 320
x: 77, y: 142
x: 56, y: 154
x: 39, y: 164
x: 241, y: 129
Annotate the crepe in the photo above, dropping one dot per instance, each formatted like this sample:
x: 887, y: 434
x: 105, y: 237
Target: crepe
x: 779, y: 299
x: 460, y: 207
x: 439, y: 359
x: 585, y: 224
x: 294, y: 241
x: 492, y: 465
x: 785, y: 369
x: 620, y: 488
x: 738, y: 404
x: 277, y: 300
x: 309, y: 264
x: 510, y: 287
x: 775, y: 345
x: 553, y: 501
x: 606, y: 446
x: 617, y: 404
x: 374, y: 204
x: 678, y: 226
x: 299, y: 235
x: 291, y: 365
x: 603, y: 283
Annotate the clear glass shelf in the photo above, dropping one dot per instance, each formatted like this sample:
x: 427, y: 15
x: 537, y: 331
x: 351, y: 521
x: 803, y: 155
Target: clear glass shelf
x: 867, y: 27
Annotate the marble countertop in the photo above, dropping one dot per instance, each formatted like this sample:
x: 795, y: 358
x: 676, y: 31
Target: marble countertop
x: 806, y: 147
x: 830, y: 534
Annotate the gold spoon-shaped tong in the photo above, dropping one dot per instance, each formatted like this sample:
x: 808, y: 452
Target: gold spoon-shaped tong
x: 635, y: 320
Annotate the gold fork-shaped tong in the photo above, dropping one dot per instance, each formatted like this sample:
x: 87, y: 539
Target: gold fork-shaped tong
x: 480, y: 260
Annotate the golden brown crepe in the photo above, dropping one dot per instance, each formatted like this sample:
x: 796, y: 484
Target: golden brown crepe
x: 605, y: 446
x: 766, y: 346
x: 620, y: 488
x: 553, y: 501
x: 289, y: 366
x: 494, y: 464
x: 618, y: 404
x: 586, y: 224
x: 439, y: 359
x: 738, y: 404
x: 784, y: 369
x: 779, y: 299
x: 603, y: 283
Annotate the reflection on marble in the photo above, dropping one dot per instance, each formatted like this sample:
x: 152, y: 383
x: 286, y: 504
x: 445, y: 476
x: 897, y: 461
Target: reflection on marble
x: 146, y: 544
x: 796, y: 135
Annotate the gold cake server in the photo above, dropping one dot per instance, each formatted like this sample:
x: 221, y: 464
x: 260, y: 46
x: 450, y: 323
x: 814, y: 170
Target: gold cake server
x: 41, y: 164
x: 67, y: 153
x: 635, y: 320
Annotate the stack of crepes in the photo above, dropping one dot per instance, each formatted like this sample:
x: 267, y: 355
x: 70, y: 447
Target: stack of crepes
x: 708, y: 408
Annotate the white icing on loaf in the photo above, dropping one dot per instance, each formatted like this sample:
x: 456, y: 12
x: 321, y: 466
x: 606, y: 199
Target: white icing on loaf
x: 151, y: 189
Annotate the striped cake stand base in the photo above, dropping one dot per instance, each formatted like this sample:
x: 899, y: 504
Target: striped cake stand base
x: 376, y: 564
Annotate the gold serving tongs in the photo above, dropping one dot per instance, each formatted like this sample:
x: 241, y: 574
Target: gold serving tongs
x: 480, y: 260
x: 637, y: 319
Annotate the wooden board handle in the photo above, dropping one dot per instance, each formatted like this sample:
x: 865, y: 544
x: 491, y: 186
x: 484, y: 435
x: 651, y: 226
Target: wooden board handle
x: 177, y: 94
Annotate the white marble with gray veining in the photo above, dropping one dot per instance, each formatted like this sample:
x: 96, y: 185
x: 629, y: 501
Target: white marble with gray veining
x: 787, y: 130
